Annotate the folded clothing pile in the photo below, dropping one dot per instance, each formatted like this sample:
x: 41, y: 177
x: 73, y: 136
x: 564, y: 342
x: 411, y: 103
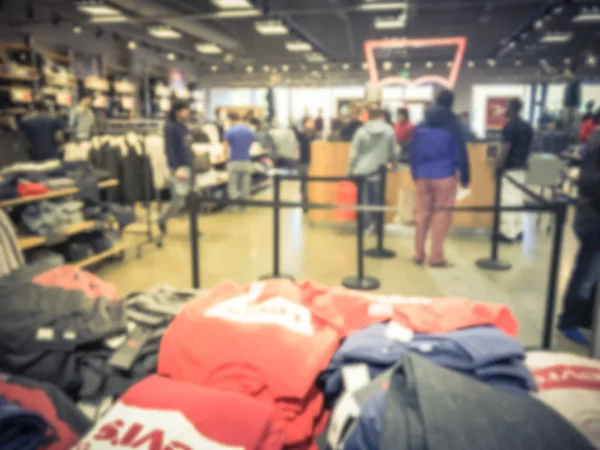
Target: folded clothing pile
x: 86, y: 245
x: 20, y: 429
x: 47, y: 217
x: 162, y: 413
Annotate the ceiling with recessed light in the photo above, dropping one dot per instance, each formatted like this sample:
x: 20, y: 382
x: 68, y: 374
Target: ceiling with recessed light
x: 258, y: 36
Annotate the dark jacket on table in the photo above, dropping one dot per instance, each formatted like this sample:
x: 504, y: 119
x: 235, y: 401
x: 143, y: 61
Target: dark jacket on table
x: 175, y: 145
x: 438, y: 147
x: 588, y: 204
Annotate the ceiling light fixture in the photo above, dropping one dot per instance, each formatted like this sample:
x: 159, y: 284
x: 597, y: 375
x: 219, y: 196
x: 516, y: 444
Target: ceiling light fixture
x: 387, y: 65
x: 429, y: 64
x: 556, y: 38
x: 113, y: 18
x: 567, y: 61
x: 591, y: 60
x: 471, y: 64
x: 96, y: 8
x: 232, y: 4
x: 228, y: 58
x: 162, y: 32
x: 325, y: 67
x: 364, y: 66
x: 450, y: 64
x: 77, y: 30
x: 171, y: 56
x: 208, y: 49
x: 346, y: 66
x: 587, y: 16
x: 249, y: 69
x: 131, y: 45
x: 214, y: 68
x: 407, y: 65
x: 390, y: 22
x: 518, y: 63
x: 271, y: 27
x: 539, y: 24
x: 491, y: 62
x: 285, y: 68
x: 298, y: 46
x: 314, y: 57
x: 382, y: 6
x: 266, y: 68
x: 238, y: 14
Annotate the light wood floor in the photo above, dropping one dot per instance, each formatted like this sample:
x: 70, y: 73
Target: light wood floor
x: 238, y: 246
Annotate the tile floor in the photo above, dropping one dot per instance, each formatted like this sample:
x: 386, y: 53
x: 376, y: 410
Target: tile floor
x: 238, y: 246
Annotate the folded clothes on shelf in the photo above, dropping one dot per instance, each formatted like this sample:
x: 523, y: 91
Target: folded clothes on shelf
x: 45, y: 217
x: 30, y: 189
x: 59, y: 183
x: 47, y: 256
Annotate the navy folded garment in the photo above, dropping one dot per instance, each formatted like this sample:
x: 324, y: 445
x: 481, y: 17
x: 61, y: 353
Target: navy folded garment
x: 484, y: 352
x: 20, y: 429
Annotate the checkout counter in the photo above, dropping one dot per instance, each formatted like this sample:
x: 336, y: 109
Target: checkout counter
x: 331, y: 159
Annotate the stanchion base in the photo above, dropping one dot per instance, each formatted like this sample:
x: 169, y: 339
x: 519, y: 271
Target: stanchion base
x: 271, y: 276
x: 493, y: 264
x: 361, y: 284
x: 380, y: 253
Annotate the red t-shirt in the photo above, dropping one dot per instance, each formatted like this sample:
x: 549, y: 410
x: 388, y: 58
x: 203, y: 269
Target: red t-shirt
x: 159, y: 413
x: 420, y: 314
x: 404, y: 132
x: 69, y: 277
x: 260, y: 340
x: 586, y: 130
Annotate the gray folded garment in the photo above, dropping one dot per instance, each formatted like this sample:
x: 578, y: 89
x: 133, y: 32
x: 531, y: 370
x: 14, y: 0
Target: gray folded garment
x: 34, y: 167
x: 59, y: 183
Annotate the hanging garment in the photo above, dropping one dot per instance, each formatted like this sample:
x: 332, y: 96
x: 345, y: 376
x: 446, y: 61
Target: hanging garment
x: 421, y: 314
x: 427, y: 407
x: 485, y: 353
x: 286, y: 144
x: 511, y: 223
x: 77, y: 150
x: 155, y: 149
x: 161, y: 413
x: 570, y: 384
x: 256, y: 330
x: 63, y: 423
x: 11, y: 256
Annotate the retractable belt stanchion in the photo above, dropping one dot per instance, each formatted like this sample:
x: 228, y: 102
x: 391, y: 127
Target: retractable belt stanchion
x: 360, y: 281
x: 493, y: 263
x: 276, y: 231
x: 380, y: 252
x: 561, y: 216
x: 193, y: 204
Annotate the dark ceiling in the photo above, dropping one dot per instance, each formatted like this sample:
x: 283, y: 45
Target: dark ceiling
x: 500, y: 30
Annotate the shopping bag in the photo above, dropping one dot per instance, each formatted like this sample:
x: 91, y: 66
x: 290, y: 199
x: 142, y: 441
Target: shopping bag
x: 346, y: 194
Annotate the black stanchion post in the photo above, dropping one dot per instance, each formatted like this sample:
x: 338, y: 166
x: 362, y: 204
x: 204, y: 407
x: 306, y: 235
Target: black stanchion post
x: 276, y: 231
x: 193, y: 207
x: 493, y: 263
x: 380, y: 252
x: 561, y: 216
x: 359, y: 281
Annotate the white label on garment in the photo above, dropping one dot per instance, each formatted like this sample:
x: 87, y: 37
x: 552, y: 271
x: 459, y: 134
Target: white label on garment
x: 69, y: 335
x: 396, y: 332
x: 276, y: 310
x: 381, y: 310
x: 346, y: 410
x: 355, y: 376
x: 44, y: 334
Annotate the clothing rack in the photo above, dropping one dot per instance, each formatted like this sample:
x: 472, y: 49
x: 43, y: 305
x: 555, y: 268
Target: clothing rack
x: 142, y: 127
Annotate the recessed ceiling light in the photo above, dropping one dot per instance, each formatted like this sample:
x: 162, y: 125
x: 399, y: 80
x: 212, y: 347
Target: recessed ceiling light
x: 587, y: 16
x: 162, y: 32
x: 171, y: 56
x: 491, y: 62
x: 314, y: 57
x: 450, y: 64
x: 285, y: 68
x: 326, y: 67
x: 232, y: 4
x: 556, y: 38
x: 228, y: 58
x: 77, y: 30
x: 214, y: 68
x: 346, y: 66
x: 238, y: 14
x: 112, y: 18
x: 567, y: 61
x: 429, y: 64
x: 558, y: 10
x: 387, y: 65
x: 518, y: 62
x: 471, y: 64
x: 266, y: 68
x: 298, y: 46
x: 539, y: 24
x: 382, y: 6
x: 96, y: 8
x: 249, y: 69
x: 131, y: 45
x: 271, y: 27
x: 208, y: 49
x: 364, y: 66
x: 390, y: 22
x: 592, y: 60
x: 407, y: 65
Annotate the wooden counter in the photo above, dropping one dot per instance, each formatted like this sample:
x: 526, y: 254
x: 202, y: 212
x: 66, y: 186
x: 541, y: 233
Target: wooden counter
x: 331, y: 159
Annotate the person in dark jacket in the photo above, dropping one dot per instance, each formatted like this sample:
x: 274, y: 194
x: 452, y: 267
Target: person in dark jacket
x: 349, y: 130
x: 305, y: 135
x: 45, y: 132
x: 578, y: 307
x: 438, y: 151
x: 178, y: 157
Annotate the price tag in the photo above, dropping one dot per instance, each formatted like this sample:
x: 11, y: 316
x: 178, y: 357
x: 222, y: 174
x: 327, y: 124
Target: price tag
x: 396, y: 332
x: 355, y: 376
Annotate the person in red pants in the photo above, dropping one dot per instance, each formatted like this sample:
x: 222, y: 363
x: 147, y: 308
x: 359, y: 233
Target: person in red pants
x: 438, y: 152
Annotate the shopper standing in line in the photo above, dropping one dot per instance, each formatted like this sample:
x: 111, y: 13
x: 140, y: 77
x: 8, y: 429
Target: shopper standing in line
x: 45, y: 133
x: 349, y: 130
x: 437, y: 153
x: 578, y: 308
x: 305, y: 135
x: 373, y: 146
x: 404, y: 130
x: 179, y: 158
x: 517, y: 137
x: 571, y: 101
x: 320, y: 123
x: 82, y: 120
x: 465, y: 123
x: 238, y: 140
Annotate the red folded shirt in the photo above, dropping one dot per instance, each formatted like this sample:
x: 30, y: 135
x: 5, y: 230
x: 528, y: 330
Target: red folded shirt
x: 28, y: 189
x: 164, y: 414
x: 69, y: 277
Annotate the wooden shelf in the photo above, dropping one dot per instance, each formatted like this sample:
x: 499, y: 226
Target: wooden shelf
x: 53, y: 194
x: 101, y: 256
x: 14, y: 77
x: 29, y: 242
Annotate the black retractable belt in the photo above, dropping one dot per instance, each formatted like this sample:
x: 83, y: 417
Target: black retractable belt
x: 360, y: 281
x: 380, y: 252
